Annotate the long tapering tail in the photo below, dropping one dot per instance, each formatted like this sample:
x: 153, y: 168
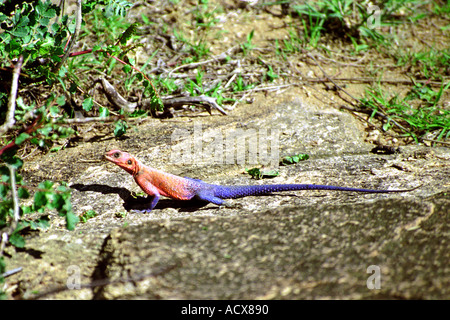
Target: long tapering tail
x: 231, y: 192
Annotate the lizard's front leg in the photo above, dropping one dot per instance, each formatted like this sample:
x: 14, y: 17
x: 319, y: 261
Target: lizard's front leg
x: 152, y: 192
x: 154, y: 201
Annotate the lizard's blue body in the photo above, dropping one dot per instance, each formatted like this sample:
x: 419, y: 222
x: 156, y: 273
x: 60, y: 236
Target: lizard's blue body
x: 216, y: 193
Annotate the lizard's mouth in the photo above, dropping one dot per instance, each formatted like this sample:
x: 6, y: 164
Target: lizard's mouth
x: 110, y: 158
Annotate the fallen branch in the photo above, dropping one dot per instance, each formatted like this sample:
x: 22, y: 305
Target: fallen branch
x: 116, y: 98
x: 89, y: 119
x: 200, y: 100
x: 124, y: 104
x: 11, y: 272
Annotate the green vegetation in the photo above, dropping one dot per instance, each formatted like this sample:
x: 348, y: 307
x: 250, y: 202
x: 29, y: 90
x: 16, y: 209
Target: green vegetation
x: 257, y: 173
x: 288, y: 160
x: 412, y: 120
x: 247, y: 46
x: 420, y: 114
x: 33, y: 39
x: 88, y: 214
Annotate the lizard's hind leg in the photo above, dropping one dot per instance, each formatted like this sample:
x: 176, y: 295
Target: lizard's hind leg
x: 208, y: 196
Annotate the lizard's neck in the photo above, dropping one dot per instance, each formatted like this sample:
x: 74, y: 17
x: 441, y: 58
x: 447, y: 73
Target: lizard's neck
x: 136, y: 170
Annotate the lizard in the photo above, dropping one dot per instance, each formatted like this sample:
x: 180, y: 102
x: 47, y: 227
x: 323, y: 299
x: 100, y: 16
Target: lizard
x: 155, y: 183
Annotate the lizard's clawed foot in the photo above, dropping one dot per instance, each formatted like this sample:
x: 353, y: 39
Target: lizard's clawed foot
x: 140, y: 211
x: 231, y: 205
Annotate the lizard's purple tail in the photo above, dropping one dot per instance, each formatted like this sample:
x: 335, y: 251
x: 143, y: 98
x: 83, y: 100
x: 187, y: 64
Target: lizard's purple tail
x: 231, y: 192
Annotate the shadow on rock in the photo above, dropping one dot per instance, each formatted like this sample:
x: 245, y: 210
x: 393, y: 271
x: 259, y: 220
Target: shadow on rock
x: 133, y: 202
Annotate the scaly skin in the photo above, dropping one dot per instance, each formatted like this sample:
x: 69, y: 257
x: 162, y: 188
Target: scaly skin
x: 156, y: 183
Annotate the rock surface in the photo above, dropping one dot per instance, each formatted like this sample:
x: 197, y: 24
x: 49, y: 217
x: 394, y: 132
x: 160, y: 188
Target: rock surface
x: 293, y: 245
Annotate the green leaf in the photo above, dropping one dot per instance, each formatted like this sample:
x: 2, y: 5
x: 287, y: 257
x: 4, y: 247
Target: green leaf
x: 41, y: 223
x: 41, y: 7
x: 2, y: 268
x: 17, y: 240
x: 145, y: 19
x: 3, y: 191
x: 43, y: 50
x: 131, y: 30
x: 55, y: 27
x: 126, y: 68
x: 54, y: 111
x: 104, y: 112
x: 23, y: 193
x: 45, y: 130
x: 87, y: 215
x: 62, y: 72
x: 44, y: 21
x: 3, y: 17
x: 21, y: 138
x: 40, y: 200
x: 19, y: 32
x: 72, y: 26
x: 71, y: 220
x: 23, y: 22
x: 6, y: 37
x: 50, y: 13
x: 87, y: 104
x: 121, y: 128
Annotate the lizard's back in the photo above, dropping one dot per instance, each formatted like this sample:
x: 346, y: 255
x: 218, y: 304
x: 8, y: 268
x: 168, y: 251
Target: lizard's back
x: 167, y: 184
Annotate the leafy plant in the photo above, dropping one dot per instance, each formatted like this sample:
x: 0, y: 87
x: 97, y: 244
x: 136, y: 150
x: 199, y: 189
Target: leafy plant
x: 120, y: 128
x: 34, y: 37
x: 344, y: 17
x: 247, y: 46
x: 47, y: 195
x: 288, y: 160
x: 415, y: 121
x: 430, y: 64
x: 270, y: 74
x: 240, y: 85
x: 257, y: 173
x: 88, y: 214
x: 30, y: 34
x: 204, y: 17
x: 292, y: 44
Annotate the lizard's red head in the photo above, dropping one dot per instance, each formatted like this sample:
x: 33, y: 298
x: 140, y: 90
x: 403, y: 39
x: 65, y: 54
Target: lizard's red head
x: 124, y: 160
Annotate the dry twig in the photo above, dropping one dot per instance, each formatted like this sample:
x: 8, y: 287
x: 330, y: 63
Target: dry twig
x: 9, y: 122
x: 200, y: 100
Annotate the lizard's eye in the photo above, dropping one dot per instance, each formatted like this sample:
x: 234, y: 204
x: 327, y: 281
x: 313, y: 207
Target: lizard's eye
x: 117, y: 155
x: 129, y: 162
